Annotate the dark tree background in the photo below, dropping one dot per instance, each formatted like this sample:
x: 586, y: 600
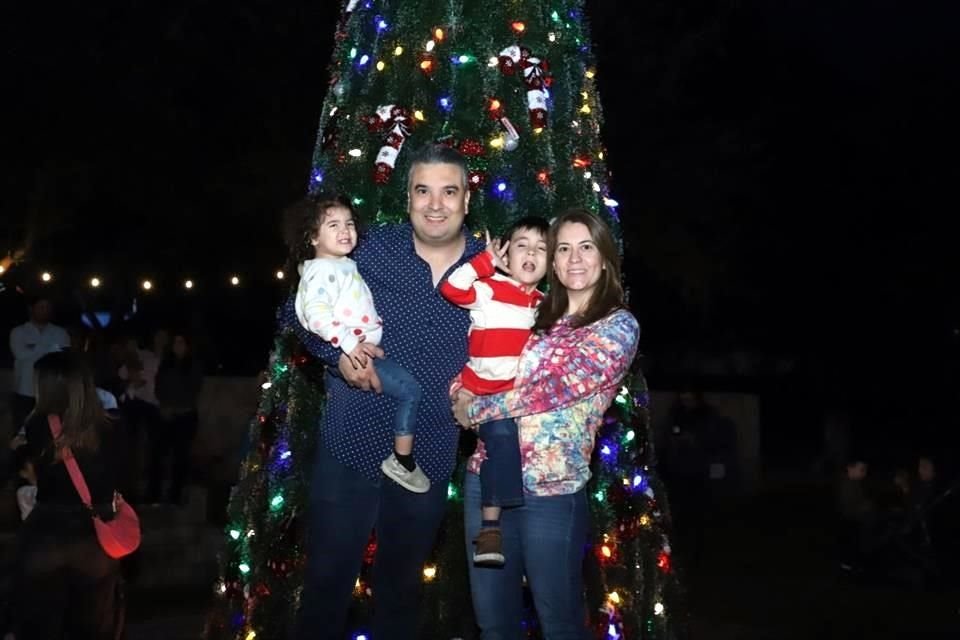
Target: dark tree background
x: 785, y: 171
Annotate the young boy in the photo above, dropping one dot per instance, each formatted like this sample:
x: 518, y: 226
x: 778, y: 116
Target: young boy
x: 503, y: 307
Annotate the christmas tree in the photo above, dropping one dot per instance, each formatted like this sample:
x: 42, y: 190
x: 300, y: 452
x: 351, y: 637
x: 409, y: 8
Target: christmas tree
x: 511, y: 86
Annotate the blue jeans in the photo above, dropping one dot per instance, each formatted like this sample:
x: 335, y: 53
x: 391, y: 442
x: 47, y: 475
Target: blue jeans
x: 545, y: 538
x: 402, y: 387
x: 344, y: 506
x: 501, y: 480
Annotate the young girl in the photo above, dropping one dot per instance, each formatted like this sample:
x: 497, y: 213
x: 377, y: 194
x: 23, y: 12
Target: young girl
x: 499, y: 287
x: 335, y: 303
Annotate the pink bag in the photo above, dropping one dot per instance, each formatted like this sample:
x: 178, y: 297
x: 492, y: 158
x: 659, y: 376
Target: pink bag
x: 121, y: 536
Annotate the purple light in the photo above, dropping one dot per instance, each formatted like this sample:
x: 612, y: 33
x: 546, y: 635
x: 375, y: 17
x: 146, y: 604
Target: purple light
x: 317, y: 176
x: 608, y: 451
x: 445, y: 103
x: 364, y: 59
x: 381, y: 23
x: 501, y: 186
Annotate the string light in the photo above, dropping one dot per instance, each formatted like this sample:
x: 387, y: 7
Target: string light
x: 235, y: 534
x: 354, y: 153
x: 2, y: 269
x: 146, y: 285
x: 496, y: 143
x: 658, y: 609
x: 430, y: 45
x: 280, y: 275
x: 244, y: 568
x: 46, y: 276
x: 518, y: 26
x: 493, y: 61
x: 590, y: 73
x: 251, y: 635
x: 188, y: 284
x: 364, y: 59
x: 381, y: 65
x: 426, y: 65
x: 94, y: 282
x: 614, y: 597
x: 429, y: 572
x: 418, y: 114
x: 438, y: 34
x: 398, y: 51
x: 235, y: 281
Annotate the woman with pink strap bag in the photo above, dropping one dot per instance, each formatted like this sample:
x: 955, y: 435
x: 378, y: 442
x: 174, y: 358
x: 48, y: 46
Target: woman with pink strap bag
x: 67, y: 579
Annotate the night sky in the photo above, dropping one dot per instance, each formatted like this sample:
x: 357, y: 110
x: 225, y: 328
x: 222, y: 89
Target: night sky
x: 786, y: 170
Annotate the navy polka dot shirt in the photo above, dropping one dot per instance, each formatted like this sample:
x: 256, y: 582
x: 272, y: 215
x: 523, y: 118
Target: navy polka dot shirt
x: 421, y: 331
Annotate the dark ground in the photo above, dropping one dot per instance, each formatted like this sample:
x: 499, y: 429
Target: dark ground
x: 766, y: 573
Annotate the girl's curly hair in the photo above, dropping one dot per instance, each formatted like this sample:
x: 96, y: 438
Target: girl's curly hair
x: 301, y: 222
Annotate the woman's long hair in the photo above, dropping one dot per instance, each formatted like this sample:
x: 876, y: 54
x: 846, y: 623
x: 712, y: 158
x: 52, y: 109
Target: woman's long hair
x: 65, y: 388
x: 607, y: 296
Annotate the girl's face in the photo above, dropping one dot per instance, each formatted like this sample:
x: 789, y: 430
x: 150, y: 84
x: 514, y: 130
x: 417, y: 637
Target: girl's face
x: 337, y: 235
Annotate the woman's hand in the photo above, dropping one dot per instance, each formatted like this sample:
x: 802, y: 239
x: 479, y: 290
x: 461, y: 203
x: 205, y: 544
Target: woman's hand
x: 461, y: 403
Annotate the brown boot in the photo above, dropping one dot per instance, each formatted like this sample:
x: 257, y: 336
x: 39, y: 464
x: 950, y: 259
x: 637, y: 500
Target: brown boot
x: 489, y: 549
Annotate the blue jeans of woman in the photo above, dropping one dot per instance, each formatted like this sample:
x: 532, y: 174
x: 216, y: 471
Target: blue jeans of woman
x: 544, y: 539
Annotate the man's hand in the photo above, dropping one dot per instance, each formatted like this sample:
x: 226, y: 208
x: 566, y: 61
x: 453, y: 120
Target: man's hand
x: 363, y: 353
x: 461, y: 403
x: 364, y: 377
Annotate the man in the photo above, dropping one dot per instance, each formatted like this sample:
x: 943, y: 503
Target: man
x: 29, y: 342
x: 141, y: 410
x: 403, y: 266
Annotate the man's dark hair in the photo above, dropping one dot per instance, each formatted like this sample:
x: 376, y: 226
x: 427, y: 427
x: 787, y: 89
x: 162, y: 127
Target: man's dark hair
x: 438, y: 154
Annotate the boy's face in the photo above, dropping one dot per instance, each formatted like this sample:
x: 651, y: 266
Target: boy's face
x: 527, y: 257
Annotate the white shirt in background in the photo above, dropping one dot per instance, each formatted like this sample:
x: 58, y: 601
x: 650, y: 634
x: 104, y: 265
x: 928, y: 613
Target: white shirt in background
x: 29, y: 343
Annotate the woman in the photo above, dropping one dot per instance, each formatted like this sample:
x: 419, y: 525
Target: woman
x: 178, y: 389
x: 569, y: 373
x: 66, y: 584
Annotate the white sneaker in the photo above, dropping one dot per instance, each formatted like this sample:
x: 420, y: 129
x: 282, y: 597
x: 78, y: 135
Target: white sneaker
x: 414, y: 480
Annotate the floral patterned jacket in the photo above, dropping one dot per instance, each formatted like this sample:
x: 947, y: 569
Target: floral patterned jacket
x: 566, y: 380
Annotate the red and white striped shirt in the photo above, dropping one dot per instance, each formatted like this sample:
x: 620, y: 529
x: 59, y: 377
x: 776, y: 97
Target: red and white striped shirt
x: 501, y: 315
